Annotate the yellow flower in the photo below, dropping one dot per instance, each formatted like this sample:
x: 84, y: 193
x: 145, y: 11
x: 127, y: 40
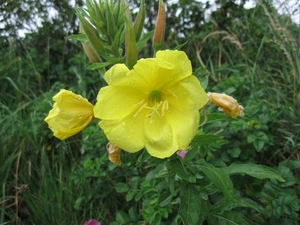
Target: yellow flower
x: 154, y: 105
x: 70, y: 114
x: 226, y: 103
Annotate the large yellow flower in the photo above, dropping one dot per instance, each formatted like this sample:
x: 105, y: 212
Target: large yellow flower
x: 155, y: 105
x: 71, y: 113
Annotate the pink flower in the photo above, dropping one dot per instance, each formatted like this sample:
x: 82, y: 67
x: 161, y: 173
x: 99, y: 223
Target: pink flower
x: 93, y: 222
x: 181, y: 153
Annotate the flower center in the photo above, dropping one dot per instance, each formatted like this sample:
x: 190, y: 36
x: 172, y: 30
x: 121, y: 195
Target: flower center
x: 155, y: 96
x: 155, y: 104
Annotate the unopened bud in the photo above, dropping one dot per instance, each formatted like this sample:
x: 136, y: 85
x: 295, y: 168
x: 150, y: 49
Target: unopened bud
x: 159, y: 32
x: 226, y: 103
x: 113, y: 153
x: 130, y: 44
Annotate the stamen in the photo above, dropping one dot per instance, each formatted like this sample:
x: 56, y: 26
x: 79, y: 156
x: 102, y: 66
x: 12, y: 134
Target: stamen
x: 140, y: 109
x: 164, y: 107
x: 138, y: 104
x: 174, y: 95
x: 154, y: 111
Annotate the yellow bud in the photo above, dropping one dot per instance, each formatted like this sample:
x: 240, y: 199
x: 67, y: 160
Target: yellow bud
x: 71, y: 113
x: 226, y: 103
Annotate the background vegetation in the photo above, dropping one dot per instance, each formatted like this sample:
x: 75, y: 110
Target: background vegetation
x: 251, y: 54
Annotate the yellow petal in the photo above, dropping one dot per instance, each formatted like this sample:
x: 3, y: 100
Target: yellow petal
x: 116, y: 102
x: 182, y: 65
x: 127, y: 134
x: 116, y: 74
x: 70, y: 114
x: 188, y: 94
x: 173, y: 133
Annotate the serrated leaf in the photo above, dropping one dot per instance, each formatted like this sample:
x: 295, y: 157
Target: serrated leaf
x: 254, y: 170
x: 190, y: 206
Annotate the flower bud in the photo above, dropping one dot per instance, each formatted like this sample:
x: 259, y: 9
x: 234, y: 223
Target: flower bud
x: 71, y: 113
x: 113, y: 153
x: 226, y: 103
x: 159, y: 32
x: 91, y: 54
x: 130, y: 44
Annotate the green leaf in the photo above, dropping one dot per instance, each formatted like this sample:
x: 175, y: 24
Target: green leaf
x: 130, y: 195
x: 251, y: 138
x: 223, y: 205
x: 214, y: 117
x: 202, y: 139
x: 122, y: 217
x: 258, y: 144
x: 254, y: 170
x: 234, y: 152
x: 234, y: 218
x: 96, y: 66
x: 181, y: 171
x: 141, y: 43
x: 220, y: 179
x: 121, y: 187
x: 134, y: 216
x: 78, y: 37
x: 178, y: 47
x: 190, y: 206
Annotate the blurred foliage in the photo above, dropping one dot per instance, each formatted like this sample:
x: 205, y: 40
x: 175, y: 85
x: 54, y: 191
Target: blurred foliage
x: 251, y: 54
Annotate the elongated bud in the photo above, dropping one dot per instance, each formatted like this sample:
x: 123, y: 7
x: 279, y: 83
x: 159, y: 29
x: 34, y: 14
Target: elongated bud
x: 226, y: 103
x: 139, y: 21
x: 130, y: 44
x: 159, y: 32
x: 91, y: 54
x: 113, y: 153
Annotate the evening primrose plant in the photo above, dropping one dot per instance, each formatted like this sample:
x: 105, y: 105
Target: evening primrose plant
x: 153, y: 105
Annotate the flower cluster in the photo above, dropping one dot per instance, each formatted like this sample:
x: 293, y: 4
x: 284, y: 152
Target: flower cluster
x: 150, y: 103
x: 154, y: 105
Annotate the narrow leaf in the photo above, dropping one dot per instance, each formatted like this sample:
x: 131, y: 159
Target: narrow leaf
x: 220, y: 179
x: 190, y: 206
x: 254, y: 170
x: 234, y: 218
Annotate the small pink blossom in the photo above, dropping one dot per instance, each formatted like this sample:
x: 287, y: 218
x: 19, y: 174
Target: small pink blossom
x: 181, y: 153
x: 93, y: 222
